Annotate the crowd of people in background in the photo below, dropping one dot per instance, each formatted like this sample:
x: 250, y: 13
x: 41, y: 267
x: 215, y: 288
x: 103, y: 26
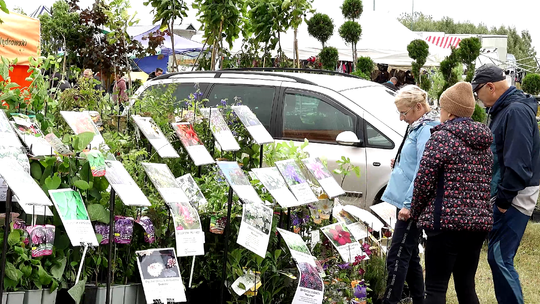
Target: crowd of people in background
x: 462, y: 182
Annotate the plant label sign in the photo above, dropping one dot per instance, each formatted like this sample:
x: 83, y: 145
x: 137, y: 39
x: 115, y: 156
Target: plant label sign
x: 274, y: 182
x: 192, y: 191
x: 239, y: 182
x: 342, y: 239
x: 188, y: 229
x: 124, y: 185
x: 249, y: 281
x: 255, y: 228
x: 29, y: 194
x: 310, y: 288
x: 323, y: 176
x: 220, y: 130
x: 81, y: 122
x: 8, y: 137
x: 365, y: 216
x: 253, y: 125
x: 296, y: 181
x: 387, y: 212
x: 154, y: 135
x: 358, y: 229
x: 193, y: 145
x: 57, y: 145
x: 160, y: 276
x: 72, y: 211
x: 31, y: 135
x: 163, y: 179
x: 298, y: 248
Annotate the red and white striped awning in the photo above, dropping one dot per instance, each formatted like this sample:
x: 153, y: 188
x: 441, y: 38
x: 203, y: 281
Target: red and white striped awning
x: 444, y: 41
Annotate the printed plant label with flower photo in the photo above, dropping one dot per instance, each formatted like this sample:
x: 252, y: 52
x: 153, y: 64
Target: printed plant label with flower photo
x: 310, y: 288
x: 188, y: 229
x: 365, y: 216
x: 41, y: 239
x: 148, y: 227
x: 29, y: 194
x: 193, y: 145
x: 123, y: 229
x: 239, y: 182
x: 97, y: 163
x: 164, y: 181
x: 72, y: 211
x: 124, y: 185
x: 357, y: 228
x: 58, y: 146
x: 28, y: 131
x: 160, y: 276
x: 255, y: 228
x: 157, y: 139
x: 81, y: 122
x: 274, y: 182
x: 253, y: 125
x: 296, y: 181
x: 342, y: 239
x: 220, y: 129
x: 323, y: 176
x: 298, y: 248
x: 192, y: 191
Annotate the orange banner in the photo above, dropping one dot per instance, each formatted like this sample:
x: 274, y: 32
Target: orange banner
x: 19, y: 37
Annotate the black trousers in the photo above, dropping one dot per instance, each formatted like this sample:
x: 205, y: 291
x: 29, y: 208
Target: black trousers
x: 403, y: 264
x: 452, y: 252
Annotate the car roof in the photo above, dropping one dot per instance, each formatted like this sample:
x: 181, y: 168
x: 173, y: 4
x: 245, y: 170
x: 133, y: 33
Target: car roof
x: 329, y: 79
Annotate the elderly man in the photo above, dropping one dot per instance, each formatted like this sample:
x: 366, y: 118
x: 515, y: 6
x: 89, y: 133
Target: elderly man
x: 391, y: 84
x: 516, y: 173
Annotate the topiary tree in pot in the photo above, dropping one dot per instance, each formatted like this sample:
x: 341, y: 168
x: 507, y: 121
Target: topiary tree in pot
x: 321, y: 27
x: 419, y: 50
x: 364, y: 68
x: 351, y: 31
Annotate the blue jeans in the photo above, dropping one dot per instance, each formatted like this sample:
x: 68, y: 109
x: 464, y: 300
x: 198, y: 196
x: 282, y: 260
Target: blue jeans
x: 504, y: 240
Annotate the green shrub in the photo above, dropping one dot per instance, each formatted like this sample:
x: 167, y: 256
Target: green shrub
x: 329, y: 57
x: 352, y: 9
x: 479, y: 114
x: 365, y: 65
x: 531, y: 84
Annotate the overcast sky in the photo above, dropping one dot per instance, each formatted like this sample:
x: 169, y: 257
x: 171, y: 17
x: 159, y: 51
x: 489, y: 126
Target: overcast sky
x: 518, y: 13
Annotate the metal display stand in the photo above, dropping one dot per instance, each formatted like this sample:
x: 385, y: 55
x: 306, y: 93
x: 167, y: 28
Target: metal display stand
x: 112, y: 202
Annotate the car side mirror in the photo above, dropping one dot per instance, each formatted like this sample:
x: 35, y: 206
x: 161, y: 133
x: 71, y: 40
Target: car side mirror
x: 347, y: 138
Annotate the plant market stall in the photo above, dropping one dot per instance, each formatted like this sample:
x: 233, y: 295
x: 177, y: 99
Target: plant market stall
x: 200, y: 220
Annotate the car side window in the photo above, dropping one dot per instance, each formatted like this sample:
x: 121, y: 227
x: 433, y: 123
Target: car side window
x: 377, y: 139
x: 258, y: 98
x: 306, y: 116
x: 181, y: 90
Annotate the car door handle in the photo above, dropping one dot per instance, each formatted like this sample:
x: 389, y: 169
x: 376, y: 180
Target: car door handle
x: 377, y: 164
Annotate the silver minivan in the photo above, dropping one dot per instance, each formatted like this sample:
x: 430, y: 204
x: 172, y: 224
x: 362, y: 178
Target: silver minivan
x: 340, y: 115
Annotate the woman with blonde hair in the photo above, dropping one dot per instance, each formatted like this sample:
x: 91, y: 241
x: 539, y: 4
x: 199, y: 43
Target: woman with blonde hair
x: 403, y: 261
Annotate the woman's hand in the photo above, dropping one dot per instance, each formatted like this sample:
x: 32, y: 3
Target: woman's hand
x: 404, y: 214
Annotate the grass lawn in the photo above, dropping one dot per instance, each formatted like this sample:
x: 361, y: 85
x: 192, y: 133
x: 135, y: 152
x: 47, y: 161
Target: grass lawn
x: 526, y: 262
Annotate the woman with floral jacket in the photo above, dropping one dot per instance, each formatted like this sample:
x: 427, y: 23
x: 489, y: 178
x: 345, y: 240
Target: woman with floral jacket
x: 451, y: 198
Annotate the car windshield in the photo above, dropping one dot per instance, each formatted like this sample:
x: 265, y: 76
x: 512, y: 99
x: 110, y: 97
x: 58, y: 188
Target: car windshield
x: 379, y: 102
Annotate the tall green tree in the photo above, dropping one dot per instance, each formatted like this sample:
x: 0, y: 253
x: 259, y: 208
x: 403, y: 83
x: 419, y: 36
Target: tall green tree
x: 297, y: 10
x: 351, y: 31
x: 166, y: 12
x: 220, y: 18
x: 267, y: 20
x: 321, y: 27
x: 419, y: 50
x: 519, y: 44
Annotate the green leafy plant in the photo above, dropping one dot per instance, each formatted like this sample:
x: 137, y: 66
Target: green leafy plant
x: 531, y: 84
x: 329, y: 57
x: 418, y: 50
x: 346, y: 168
x: 365, y: 65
